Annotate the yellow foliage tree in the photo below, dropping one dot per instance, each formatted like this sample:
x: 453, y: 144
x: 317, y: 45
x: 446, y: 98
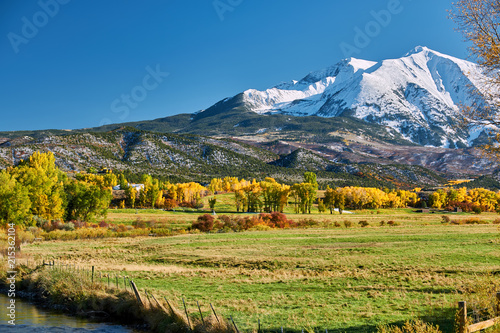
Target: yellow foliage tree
x: 44, y: 183
x: 479, y: 22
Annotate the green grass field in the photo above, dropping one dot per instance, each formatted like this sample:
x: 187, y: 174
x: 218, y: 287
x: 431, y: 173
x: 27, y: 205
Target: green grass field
x: 340, y: 279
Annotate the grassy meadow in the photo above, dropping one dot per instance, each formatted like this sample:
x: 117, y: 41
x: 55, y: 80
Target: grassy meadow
x: 336, y: 278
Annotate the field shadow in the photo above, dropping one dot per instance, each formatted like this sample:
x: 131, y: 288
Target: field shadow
x: 442, y: 317
x: 351, y: 329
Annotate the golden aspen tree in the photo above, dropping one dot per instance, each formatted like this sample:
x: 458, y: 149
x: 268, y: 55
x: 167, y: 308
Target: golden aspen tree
x: 479, y: 23
x: 44, y: 182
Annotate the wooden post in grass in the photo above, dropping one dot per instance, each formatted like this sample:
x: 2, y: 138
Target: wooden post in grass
x: 92, y: 274
x: 170, y: 306
x: 134, y: 288
x: 147, y: 296
x: 462, y: 317
x: 158, y: 303
x: 215, y: 314
x: 201, y: 315
x: 187, y: 316
x: 235, y: 324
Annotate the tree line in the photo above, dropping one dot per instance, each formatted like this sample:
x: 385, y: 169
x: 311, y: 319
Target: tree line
x: 37, y: 190
x: 469, y: 200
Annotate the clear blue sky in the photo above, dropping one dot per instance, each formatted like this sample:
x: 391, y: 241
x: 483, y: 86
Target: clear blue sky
x: 71, y: 65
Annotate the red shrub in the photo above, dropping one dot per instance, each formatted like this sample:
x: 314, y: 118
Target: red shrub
x: 276, y: 220
x: 248, y: 222
x: 204, y: 223
x: 227, y: 222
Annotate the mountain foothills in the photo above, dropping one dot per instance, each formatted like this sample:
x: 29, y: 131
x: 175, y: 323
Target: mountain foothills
x: 391, y: 123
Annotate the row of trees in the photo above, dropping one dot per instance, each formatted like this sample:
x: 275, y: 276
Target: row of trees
x: 368, y: 198
x: 157, y: 194
x: 37, y: 190
x: 268, y: 195
x: 477, y: 199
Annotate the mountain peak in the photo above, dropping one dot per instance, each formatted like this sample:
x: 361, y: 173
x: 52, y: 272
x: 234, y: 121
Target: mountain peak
x: 418, y: 49
x: 417, y: 95
x: 427, y: 52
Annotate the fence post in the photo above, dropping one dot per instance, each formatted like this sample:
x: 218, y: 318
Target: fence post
x: 462, y: 317
x: 92, y: 274
x: 201, y: 314
x: 136, y: 293
x: 216, y: 317
x: 235, y: 324
x: 187, y: 316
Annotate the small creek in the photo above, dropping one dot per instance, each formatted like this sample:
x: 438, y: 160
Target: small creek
x: 30, y: 318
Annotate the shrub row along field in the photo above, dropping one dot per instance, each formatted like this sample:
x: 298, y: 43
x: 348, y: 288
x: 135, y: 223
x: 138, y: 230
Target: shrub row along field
x: 336, y: 278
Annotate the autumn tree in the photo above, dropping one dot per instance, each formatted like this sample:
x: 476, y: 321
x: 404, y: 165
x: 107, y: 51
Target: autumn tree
x: 479, y: 22
x: 321, y: 206
x: 305, y: 193
x: 151, y: 195
x: 252, y: 193
x: 274, y: 195
x: 44, y: 183
x: 131, y: 196
x: 239, y: 195
x: 15, y: 203
x: 339, y: 201
x: 437, y: 199
x: 329, y: 199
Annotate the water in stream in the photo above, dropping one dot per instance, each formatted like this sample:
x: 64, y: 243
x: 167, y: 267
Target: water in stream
x: 30, y: 318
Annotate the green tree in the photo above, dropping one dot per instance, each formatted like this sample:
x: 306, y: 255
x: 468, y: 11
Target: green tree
x: 122, y: 181
x: 306, y: 194
x: 131, y: 196
x: 212, y: 202
x: 310, y: 177
x: 321, y: 206
x: 86, y: 201
x: 339, y: 200
x: 329, y: 200
x: 15, y: 203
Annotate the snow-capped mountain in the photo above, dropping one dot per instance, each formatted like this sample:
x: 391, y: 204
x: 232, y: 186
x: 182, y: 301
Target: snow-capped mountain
x: 418, y: 95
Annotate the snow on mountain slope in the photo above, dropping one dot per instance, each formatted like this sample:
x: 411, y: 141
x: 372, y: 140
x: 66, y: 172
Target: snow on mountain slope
x: 418, y: 95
